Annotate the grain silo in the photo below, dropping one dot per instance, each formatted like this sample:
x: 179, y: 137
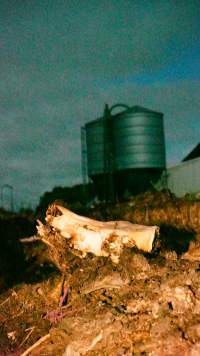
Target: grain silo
x: 125, y: 151
x: 96, y: 143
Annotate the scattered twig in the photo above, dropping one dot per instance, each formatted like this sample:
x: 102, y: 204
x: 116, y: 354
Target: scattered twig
x: 35, y: 238
x: 46, y: 242
x: 5, y: 301
x: 13, y: 316
x: 27, y: 336
x: 64, y: 293
x: 67, y: 306
x: 94, y: 341
x: 37, y: 343
x: 30, y: 239
x: 29, y: 328
x: 16, y: 315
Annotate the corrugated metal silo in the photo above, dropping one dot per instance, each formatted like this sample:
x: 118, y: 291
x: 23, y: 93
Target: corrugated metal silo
x: 139, y: 149
x: 130, y: 144
x: 138, y: 139
x: 95, y: 147
x: 98, y: 149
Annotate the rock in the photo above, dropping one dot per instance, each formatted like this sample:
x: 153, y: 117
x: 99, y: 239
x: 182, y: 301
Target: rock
x: 195, y: 350
x: 82, y: 335
x: 180, y: 299
x: 139, y: 263
x: 193, y: 333
x: 138, y: 306
x: 111, y: 281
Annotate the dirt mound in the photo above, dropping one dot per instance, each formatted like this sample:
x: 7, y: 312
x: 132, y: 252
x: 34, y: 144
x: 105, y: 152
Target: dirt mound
x: 145, y: 305
x: 148, y: 304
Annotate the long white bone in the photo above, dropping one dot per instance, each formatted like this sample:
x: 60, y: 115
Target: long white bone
x: 97, y: 237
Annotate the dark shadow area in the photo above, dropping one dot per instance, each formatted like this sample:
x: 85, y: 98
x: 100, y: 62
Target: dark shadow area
x: 38, y: 267
x: 172, y: 239
x: 74, y: 197
x: 12, y: 258
x: 19, y: 262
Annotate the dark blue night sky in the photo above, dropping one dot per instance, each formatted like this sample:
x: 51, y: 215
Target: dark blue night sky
x: 61, y: 61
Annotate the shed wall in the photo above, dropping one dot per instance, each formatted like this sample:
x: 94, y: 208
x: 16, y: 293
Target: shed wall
x: 184, y: 178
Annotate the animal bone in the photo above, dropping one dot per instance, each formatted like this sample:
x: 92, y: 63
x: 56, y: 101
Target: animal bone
x: 97, y: 237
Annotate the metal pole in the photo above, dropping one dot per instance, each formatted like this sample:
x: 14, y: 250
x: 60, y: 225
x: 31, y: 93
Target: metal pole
x: 84, y: 160
x: 108, y: 156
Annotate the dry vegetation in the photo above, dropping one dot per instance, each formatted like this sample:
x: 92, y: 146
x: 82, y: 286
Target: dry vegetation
x: 149, y: 304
